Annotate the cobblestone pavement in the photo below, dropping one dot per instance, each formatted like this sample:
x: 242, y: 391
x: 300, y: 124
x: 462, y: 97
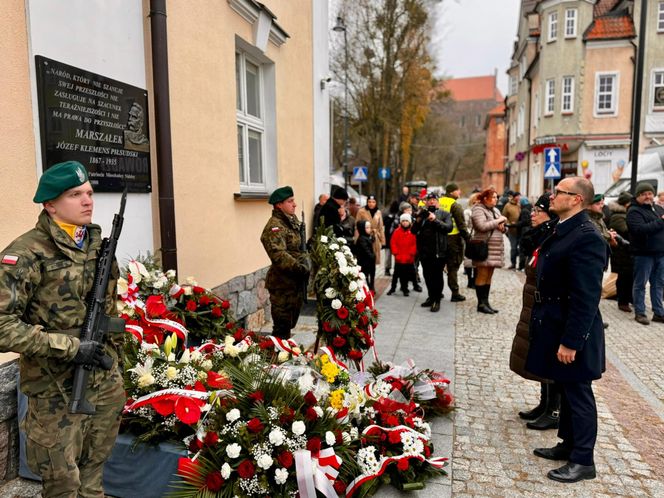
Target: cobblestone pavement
x: 492, y: 453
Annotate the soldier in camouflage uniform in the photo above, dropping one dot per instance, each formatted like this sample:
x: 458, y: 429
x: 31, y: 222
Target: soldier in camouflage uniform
x: 290, y: 265
x: 45, y: 276
x: 455, y: 239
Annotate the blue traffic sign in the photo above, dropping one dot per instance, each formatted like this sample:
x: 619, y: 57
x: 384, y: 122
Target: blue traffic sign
x: 551, y: 163
x: 384, y: 173
x: 360, y: 174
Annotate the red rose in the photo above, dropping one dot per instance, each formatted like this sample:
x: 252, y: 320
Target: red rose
x: 230, y: 326
x: 285, y: 459
x: 239, y: 334
x: 246, y: 469
x: 338, y: 342
x: 195, y: 445
x: 342, y: 313
x: 257, y: 396
x: 155, y: 307
x: 216, y: 312
x: 427, y: 451
x: 288, y: 416
x: 210, y: 438
x: 364, y: 321
x: 395, y: 437
x: 374, y: 312
x: 340, y: 487
x: 327, y: 327
x: 344, y: 329
x: 255, y: 425
x: 392, y: 420
x: 191, y: 305
x: 354, y: 354
x: 402, y: 464
x: 360, y: 307
x: 313, y: 444
x: 310, y: 399
x: 198, y: 290
x: 225, y: 304
x: 214, y: 481
x: 311, y: 414
x: 204, y: 301
x: 266, y: 344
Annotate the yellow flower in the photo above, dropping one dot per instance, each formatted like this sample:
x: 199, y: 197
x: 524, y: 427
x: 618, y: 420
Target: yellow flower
x: 324, y: 359
x: 337, y: 399
x: 330, y: 371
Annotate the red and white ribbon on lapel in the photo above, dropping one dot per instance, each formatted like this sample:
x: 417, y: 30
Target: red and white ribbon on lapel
x: 316, y: 473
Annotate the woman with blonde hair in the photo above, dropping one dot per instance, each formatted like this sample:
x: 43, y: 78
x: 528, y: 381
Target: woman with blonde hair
x: 488, y: 226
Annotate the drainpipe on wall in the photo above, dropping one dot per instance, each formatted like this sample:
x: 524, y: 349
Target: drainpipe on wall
x: 163, y: 134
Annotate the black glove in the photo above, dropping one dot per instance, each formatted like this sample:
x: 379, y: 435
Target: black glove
x: 91, y: 353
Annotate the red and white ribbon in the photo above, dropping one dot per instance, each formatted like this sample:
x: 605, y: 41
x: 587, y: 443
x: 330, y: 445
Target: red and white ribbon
x: 162, y: 323
x: 136, y: 331
x: 316, y: 473
x: 333, y: 358
x: 285, y: 345
x: 167, y: 394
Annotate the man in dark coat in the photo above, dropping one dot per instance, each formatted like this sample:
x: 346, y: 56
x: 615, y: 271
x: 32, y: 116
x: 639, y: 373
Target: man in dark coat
x: 645, y: 222
x: 567, y: 336
x: 334, y: 211
x: 431, y: 227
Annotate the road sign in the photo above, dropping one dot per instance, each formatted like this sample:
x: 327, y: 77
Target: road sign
x: 551, y: 163
x: 384, y: 173
x: 360, y: 174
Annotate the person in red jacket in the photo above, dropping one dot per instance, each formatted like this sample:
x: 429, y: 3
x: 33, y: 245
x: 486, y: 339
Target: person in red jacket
x: 404, y: 248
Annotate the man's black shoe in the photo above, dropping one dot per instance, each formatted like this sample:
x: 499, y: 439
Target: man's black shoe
x: 457, y: 298
x: 427, y: 303
x: 390, y: 292
x: 535, y: 413
x: 406, y: 293
x: 483, y: 308
x: 435, y: 306
x: 658, y: 318
x: 572, y: 472
x: 417, y: 288
x: 558, y: 452
x: 388, y: 273
x: 547, y: 421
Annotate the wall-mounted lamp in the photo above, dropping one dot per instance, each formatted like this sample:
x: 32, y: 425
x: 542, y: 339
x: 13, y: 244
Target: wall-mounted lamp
x: 324, y: 82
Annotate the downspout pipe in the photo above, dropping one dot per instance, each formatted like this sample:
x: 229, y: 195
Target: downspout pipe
x: 638, y: 91
x: 158, y: 31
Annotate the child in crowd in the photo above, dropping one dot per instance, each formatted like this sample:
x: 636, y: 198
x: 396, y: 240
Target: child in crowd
x: 404, y: 248
x: 364, y: 252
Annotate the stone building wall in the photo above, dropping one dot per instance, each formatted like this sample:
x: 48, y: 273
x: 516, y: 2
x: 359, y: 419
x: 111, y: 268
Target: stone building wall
x: 249, y: 298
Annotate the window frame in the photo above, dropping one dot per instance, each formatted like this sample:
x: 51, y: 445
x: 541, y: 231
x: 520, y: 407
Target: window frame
x: 653, y: 89
x: 601, y: 113
x: 552, y: 26
x: 249, y: 123
x: 660, y: 17
x: 574, y: 20
x: 569, y: 94
x: 549, y: 97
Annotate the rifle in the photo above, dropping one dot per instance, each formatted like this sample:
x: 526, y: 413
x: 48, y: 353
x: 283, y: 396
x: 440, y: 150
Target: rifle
x: 303, y: 248
x: 97, y: 323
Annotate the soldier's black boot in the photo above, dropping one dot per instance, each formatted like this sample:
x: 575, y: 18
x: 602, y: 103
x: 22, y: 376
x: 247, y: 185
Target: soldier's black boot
x: 540, y: 408
x: 486, y: 300
x: 550, y: 419
x: 435, y: 306
x: 481, y: 291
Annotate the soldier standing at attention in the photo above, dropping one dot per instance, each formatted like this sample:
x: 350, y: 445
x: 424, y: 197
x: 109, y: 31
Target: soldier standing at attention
x: 45, y: 277
x: 455, y: 239
x: 290, y: 265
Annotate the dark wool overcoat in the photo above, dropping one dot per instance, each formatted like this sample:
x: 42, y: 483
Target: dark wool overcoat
x: 569, y: 266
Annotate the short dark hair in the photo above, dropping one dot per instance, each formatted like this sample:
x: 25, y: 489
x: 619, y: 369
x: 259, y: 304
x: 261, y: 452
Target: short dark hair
x: 584, y: 187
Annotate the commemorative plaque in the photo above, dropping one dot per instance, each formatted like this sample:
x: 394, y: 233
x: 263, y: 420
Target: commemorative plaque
x: 98, y: 121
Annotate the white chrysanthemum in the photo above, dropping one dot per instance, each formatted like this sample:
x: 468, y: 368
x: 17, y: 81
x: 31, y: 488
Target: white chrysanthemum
x: 341, y: 240
x: 264, y: 461
x: 233, y: 415
x: 277, y: 437
x: 170, y: 273
x: 298, y: 427
x: 280, y: 476
x: 344, y: 270
x: 336, y: 304
x: 233, y: 450
x: 352, y: 286
x: 330, y: 438
x: 226, y: 471
x: 330, y: 293
x: 334, y: 247
x: 323, y: 239
x: 305, y: 382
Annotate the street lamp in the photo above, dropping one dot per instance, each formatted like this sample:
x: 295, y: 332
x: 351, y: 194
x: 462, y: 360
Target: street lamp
x: 341, y: 27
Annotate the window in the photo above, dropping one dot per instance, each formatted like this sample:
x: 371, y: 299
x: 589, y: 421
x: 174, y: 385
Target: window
x: 521, y: 119
x: 606, y: 86
x: 513, y: 85
x: 570, y: 23
x: 553, y: 26
x: 658, y: 91
x: 567, y: 95
x: 254, y: 81
x: 660, y: 17
x: 550, y: 101
x: 513, y: 133
x: 478, y: 120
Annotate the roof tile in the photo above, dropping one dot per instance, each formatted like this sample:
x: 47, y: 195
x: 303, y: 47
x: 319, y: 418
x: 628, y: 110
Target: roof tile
x: 611, y: 28
x: 476, y: 88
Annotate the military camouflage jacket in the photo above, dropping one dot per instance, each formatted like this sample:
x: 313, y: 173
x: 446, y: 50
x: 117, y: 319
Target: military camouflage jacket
x: 44, y: 281
x: 281, y: 240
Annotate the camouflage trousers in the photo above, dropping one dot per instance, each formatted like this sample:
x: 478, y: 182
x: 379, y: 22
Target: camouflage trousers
x: 69, y: 450
x: 454, y: 261
x: 286, y: 308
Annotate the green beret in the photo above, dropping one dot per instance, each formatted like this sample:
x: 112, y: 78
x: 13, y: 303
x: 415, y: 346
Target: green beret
x: 58, y: 178
x: 597, y: 198
x: 280, y: 195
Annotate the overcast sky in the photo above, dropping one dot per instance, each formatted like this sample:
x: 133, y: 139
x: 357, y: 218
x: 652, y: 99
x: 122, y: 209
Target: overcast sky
x: 474, y: 38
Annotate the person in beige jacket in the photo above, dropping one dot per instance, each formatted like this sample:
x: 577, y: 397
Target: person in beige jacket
x: 372, y: 214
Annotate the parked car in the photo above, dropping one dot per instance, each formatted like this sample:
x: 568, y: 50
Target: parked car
x: 651, y: 170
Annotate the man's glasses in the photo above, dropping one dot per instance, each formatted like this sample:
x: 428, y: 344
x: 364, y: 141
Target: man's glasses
x: 557, y: 191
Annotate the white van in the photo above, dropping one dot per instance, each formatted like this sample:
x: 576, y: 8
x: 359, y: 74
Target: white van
x: 651, y: 170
